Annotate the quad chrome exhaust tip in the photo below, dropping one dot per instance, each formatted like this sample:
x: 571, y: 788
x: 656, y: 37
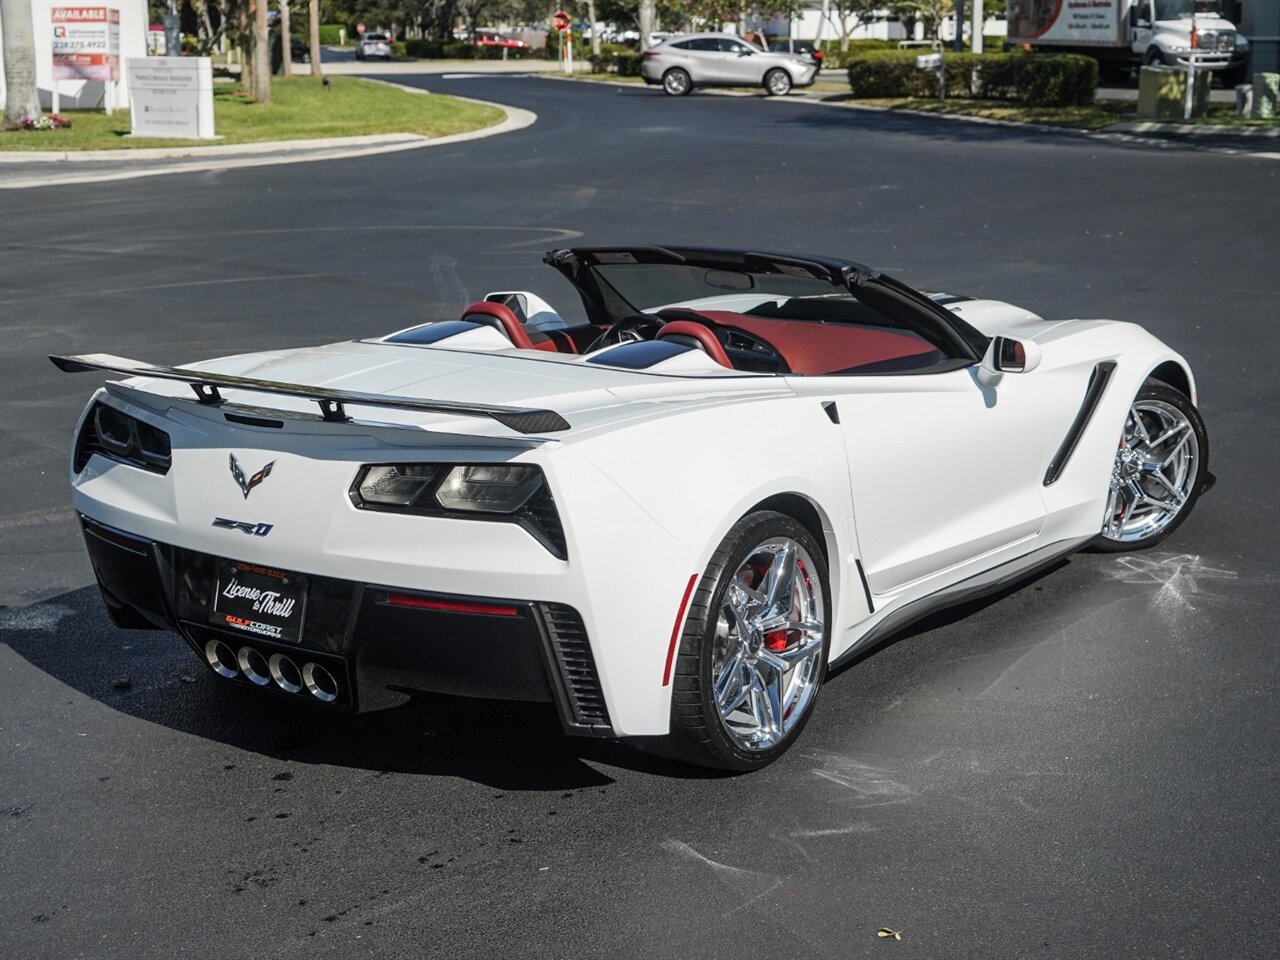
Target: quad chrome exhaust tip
x: 319, y: 682
x: 285, y: 673
x: 265, y: 669
x: 254, y: 666
x: 222, y: 658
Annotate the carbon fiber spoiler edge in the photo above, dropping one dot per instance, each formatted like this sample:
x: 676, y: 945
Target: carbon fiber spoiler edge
x: 526, y: 420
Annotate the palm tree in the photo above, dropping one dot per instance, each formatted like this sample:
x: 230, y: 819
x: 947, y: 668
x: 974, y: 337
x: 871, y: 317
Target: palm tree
x: 22, y: 99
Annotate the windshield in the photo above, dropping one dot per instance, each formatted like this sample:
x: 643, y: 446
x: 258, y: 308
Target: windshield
x: 1182, y: 9
x: 375, y: 38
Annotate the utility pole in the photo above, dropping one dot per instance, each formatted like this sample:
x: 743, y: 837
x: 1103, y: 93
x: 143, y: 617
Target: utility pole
x: 979, y: 18
x: 958, y: 44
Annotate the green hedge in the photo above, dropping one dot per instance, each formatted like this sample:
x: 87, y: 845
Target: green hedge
x: 459, y: 50
x: 330, y: 35
x: 623, y: 62
x: 1038, y: 80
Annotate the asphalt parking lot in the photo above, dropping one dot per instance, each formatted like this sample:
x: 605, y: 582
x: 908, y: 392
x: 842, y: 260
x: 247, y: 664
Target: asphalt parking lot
x: 1085, y: 766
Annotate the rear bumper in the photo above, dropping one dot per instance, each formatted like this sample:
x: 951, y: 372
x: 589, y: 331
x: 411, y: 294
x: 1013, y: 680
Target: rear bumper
x: 377, y: 650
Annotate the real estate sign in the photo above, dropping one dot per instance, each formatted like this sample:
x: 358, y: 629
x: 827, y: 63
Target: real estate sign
x: 86, y: 43
x: 171, y: 96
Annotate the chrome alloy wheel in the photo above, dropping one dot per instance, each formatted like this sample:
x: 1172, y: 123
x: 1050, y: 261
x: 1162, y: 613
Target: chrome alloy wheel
x: 676, y: 82
x: 1155, y: 473
x: 767, y: 648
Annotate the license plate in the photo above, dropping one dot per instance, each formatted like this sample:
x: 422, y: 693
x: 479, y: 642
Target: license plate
x: 259, y: 600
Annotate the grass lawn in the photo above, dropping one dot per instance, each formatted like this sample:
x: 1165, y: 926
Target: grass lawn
x: 1101, y: 114
x: 301, y: 109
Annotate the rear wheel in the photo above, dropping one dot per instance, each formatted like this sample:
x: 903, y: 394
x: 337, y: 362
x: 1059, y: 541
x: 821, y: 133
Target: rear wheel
x: 777, y: 82
x: 1160, y: 470
x: 676, y: 82
x: 754, y: 648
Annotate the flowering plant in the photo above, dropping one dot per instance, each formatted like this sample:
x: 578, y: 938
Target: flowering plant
x: 53, y: 121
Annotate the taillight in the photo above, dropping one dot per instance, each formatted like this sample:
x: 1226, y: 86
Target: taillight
x: 649, y: 53
x: 116, y: 435
x: 480, y: 491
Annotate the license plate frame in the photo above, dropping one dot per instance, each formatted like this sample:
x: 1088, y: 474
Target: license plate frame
x: 259, y: 601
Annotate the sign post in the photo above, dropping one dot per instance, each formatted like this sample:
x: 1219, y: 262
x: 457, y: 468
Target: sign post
x: 560, y: 20
x: 86, y: 46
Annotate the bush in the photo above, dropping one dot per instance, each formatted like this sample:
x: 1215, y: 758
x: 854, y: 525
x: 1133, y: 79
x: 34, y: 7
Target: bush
x: 330, y: 34
x: 1038, y: 80
x: 623, y: 62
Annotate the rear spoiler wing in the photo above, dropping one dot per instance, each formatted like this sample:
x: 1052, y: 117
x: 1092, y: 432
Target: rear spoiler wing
x: 526, y: 420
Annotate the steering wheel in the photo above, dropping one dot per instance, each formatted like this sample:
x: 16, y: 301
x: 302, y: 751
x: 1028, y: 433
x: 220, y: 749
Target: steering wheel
x: 638, y: 326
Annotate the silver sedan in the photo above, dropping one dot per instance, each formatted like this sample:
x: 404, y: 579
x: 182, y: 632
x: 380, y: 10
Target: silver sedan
x: 721, y: 60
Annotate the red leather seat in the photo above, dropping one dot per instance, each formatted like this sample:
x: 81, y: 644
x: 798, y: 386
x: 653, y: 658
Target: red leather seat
x: 506, y: 321
x: 700, y: 335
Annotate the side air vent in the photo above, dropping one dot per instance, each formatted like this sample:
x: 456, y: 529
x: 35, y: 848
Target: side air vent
x: 577, y: 667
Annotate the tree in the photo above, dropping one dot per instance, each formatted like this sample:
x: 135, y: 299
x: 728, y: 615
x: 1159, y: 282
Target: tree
x: 286, y: 40
x: 261, y: 87
x: 849, y: 15
x: 932, y: 12
x: 313, y: 14
x: 22, y: 99
x: 645, y: 19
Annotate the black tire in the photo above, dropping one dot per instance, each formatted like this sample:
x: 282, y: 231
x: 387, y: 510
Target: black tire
x: 1196, y: 483
x: 698, y: 735
x: 1153, y: 58
x: 777, y: 82
x: 677, y: 82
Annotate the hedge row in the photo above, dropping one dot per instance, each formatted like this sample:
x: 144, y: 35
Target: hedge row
x: 330, y: 34
x: 460, y: 50
x: 1038, y: 80
x: 623, y: 62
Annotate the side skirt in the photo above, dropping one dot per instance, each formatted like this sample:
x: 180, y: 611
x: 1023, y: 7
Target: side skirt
x: 979, y: 585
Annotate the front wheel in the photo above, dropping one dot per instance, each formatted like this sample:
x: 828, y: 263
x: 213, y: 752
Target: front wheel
x: 754, y: 647
x: 676, y: 82
x: 1153, y: 58
x: 1161, y: 468
x: 777, y: 83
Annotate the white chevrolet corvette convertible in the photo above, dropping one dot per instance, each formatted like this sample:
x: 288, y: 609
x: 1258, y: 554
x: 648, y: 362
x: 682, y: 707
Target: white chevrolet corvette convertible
x: 670, y: 521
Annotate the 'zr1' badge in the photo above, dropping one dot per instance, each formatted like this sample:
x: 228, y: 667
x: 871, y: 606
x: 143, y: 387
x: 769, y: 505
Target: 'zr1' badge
x: 253, y: 529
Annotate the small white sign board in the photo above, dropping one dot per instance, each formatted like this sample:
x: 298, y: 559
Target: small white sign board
x: 171, y: 97
x: 929, y: 61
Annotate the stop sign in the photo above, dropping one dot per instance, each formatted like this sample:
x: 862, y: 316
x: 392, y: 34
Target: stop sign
x: 560, y: 20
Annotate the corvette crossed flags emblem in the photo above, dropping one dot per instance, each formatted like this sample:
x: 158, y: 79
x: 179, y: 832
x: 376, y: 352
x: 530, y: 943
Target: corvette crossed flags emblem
x: 248, y: 484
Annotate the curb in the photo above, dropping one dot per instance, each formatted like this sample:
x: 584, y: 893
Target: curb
x: 266, y: 154
x: 1198, y: 130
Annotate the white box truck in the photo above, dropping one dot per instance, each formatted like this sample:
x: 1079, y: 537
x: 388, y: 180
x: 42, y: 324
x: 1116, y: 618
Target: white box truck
x: 1122, y: 34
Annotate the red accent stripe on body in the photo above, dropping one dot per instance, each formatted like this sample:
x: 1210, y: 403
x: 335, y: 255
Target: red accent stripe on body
x: 675, y: 629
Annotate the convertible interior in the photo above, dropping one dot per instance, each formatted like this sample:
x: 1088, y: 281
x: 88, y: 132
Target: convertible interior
x: 795, y: 336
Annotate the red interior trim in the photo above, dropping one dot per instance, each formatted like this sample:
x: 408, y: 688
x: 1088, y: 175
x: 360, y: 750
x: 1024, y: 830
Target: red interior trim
x: 700, y: 333
x: 451, y: 606
x: 511, y: 326
x: 675, y: 629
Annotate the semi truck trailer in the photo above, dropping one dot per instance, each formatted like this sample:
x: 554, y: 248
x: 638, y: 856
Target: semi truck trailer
x: 1122, y: 34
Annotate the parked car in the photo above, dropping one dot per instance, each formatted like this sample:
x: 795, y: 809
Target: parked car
x: 669, y: 521
x: 373, y: 45
x: 805, y: 50
x: 722, y: 60
x: 491, y: 38
x: 300, y: 51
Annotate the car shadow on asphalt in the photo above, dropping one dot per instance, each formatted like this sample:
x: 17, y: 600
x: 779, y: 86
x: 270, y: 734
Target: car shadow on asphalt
x: 154, y: 676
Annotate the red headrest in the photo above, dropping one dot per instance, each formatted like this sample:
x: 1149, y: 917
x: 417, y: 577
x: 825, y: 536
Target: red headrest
x: 506, y: 320
x: 700, y: 333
